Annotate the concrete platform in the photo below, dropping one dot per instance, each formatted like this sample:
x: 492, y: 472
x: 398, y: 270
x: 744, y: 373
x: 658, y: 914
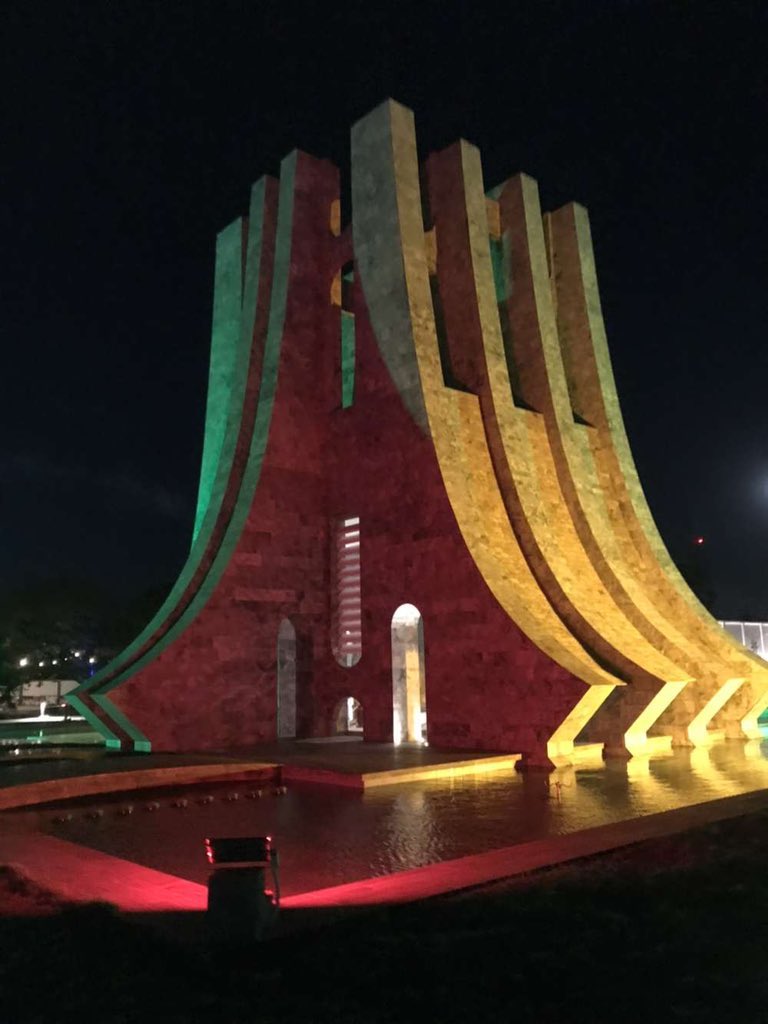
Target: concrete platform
x: 345, y: 762
x: 350, y: 763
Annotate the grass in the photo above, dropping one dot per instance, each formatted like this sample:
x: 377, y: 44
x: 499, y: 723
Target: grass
x: 673, y: 930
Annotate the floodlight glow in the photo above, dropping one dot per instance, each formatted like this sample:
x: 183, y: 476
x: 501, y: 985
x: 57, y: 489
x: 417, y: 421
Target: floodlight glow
x: 23, y: 662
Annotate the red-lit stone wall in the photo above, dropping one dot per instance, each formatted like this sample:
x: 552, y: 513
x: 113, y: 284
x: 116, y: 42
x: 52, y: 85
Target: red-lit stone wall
x: 488, y: 687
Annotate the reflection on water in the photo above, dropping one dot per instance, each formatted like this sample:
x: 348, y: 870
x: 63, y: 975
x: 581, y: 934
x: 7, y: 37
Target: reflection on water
x: 49, y: 730
x: 327, y: 836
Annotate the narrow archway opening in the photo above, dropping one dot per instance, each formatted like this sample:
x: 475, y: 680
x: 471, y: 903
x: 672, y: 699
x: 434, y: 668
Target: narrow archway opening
x: 409, y: 701
x: 286, y: 680
x: 349, y: 717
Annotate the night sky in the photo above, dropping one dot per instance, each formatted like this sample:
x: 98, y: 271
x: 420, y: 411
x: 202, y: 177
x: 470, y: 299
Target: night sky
x: 131, y: 133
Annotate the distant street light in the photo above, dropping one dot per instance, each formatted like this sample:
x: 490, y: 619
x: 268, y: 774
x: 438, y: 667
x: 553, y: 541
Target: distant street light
x: 23, y: 662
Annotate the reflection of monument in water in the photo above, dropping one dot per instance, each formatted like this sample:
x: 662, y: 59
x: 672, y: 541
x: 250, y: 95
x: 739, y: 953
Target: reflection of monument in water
x: 418, y: 511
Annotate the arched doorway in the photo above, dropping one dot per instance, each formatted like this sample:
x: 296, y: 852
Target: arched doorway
x: 286, y: 680
x: 348, y: 717
x: 409, y: 703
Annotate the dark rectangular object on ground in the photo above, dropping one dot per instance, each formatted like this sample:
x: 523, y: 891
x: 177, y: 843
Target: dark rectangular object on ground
x: 239, y: 850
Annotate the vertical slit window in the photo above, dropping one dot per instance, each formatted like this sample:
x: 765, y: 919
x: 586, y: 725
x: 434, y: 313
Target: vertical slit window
x: 347, y: 639
x: 347, y: 337
x: 347, y: 358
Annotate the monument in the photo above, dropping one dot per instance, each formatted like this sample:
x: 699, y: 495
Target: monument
x: 418, y: 514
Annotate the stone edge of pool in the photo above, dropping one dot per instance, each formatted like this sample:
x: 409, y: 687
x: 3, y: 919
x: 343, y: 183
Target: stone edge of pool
x: 30, y: 794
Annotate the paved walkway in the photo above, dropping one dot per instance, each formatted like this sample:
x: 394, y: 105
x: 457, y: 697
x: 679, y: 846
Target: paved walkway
x: 350, y: 762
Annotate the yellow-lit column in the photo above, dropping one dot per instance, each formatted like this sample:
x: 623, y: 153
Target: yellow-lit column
x: 391, y: 255
x: 593, y: 394
x: 520, y: 447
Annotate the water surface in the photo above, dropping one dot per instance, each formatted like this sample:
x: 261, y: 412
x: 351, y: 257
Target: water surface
x: 327, y: 836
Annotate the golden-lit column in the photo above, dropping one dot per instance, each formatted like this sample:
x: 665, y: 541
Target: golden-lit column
x: 542, y: 380
x: 522, y: 455
x: 594, y: 398
x: 388, y: 232
x: 560, y: 746
x: 412, y: 695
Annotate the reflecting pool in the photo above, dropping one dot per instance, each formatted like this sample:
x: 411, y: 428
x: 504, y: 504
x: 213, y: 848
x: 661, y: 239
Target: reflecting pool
x: 327, y: 836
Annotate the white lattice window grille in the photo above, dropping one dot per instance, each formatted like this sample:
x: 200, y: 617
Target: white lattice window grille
x: 754, y: 635
x: 347, y: 640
